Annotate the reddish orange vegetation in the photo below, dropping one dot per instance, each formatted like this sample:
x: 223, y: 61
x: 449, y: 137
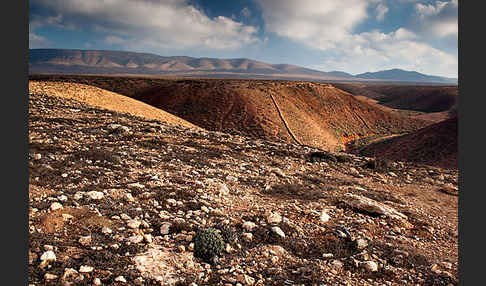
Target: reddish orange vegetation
x: 348, y: 139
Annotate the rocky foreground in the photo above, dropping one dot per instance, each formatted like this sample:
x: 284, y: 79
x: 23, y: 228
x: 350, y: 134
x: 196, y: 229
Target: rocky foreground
x: 117, y: 200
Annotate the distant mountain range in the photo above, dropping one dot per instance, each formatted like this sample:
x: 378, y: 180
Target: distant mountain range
x: 65, y: 61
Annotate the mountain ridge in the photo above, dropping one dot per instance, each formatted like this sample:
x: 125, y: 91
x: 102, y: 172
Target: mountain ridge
x: 77, y: 61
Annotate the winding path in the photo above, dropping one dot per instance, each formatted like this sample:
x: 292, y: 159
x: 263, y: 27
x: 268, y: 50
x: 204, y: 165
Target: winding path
x: 283, y: 120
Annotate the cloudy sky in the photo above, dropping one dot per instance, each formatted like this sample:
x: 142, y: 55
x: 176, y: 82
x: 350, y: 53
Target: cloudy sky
x: 354, y: 36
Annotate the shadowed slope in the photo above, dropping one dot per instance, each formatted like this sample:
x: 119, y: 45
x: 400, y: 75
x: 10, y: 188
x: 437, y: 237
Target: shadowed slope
x: 433, y: 145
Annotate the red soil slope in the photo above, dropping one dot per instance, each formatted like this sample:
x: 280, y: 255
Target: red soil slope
x: 434, y: 145
x: 313, y: 114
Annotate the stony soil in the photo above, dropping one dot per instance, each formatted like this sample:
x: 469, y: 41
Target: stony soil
x: 116, y: 199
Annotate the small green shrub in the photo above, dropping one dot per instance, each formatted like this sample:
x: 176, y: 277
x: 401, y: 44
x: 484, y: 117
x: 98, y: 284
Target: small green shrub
x: 208, y: 243
x: 227, y: 233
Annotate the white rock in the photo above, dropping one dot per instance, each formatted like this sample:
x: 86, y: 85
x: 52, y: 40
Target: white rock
x: 55, y: 206
x: 120, y: 279
x: 171, y: 202
x: 324, y: 217
x: 148, y: 238
x: 133, y: 223
x: 78, y: 195
x: 49, y: 276
x: 106, y: 230
x: 231, y: 178
x: 95, y: 195
x: 69, y: 273
x: 165, y: 227
x: 136, y: 238
x: 361, y: 243
x: 37, y: 156
x: 370, y: 266
x: 274, y: 218
x: 248, y: 236
x: 85, y: 240
x: 372, y: 206
x: 223, y: 189
x: 97, y: 281
x: 248, y: 225
x: 136, y: 185
x: 48, y: 256
x: 278, y: 231
x: 86, y: 269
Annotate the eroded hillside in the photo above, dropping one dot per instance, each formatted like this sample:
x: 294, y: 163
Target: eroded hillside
x: 313, y: 114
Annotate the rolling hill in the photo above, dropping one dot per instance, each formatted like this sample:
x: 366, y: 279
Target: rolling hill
x: 407, y: 76
x: 313, y: 114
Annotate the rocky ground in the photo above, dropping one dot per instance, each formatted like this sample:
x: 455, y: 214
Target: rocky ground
x: 116, y: 199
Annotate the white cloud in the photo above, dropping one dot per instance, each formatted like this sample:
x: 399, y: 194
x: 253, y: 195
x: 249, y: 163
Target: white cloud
x: 320, y: 24
x: 398, y: 49
x: 439, y: 20
x: 37, y: 41
x: 114, y: 40
x: 170, y: 24
x: 381, y: 10
x: 328, y: 27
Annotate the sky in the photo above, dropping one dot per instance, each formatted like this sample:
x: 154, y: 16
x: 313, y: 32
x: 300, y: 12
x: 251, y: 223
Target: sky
x: 354, y: 36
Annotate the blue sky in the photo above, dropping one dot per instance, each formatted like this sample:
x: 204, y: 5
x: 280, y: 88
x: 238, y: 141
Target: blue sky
x: 353, y: 36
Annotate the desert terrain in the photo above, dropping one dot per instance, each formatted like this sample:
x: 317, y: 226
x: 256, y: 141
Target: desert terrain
x: 273, y: 110
x: 122, y: 178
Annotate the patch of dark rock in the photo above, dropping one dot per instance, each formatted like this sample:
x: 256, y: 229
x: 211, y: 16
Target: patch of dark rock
x: 321, y: 156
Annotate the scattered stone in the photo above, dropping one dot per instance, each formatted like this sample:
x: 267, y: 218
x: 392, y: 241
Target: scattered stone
x: 106, y: 230
x: 361, y: 243
x: 164, y: 229
x: 69, y: 273
x: 278, y: 231
x: 248, y: 225
x: 49, y: 276
x: 324, y: 217
x: 136, y: 238
x: 327, y: 255
x: 120, y: 279
x: 55, y: 206
x: 134, y: 224
x: 370, y: 266
x: 274, y: 218
x: 86, y: 269
x: 371, y: 206
x: 248, y: 236
x: 95, y: 195
x: 85, y: 240
x: 48, y: 256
